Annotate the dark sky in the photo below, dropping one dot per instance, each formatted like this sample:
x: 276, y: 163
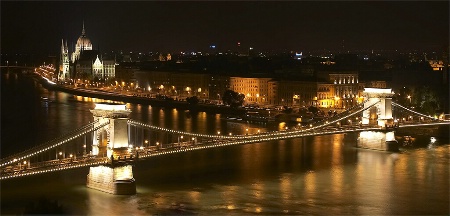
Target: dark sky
x: 38, y: 27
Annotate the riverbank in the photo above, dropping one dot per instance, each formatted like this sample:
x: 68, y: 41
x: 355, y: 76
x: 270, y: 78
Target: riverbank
x: 183, y: 105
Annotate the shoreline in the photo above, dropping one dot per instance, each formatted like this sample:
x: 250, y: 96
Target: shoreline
x: 183, y: 105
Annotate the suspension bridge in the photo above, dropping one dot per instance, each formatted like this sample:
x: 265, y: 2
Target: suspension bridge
x: 112, y: 143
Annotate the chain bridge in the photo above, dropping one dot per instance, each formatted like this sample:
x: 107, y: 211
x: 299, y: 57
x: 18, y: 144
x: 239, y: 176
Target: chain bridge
x: 112, y: 142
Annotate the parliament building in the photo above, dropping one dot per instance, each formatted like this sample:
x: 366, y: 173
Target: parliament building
x: 84, y: 62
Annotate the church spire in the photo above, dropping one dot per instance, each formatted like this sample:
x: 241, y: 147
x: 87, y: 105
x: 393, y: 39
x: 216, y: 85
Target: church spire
x: 83, y: 32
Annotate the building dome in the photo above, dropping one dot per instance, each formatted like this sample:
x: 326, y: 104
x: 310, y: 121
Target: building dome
x: 83, y: 42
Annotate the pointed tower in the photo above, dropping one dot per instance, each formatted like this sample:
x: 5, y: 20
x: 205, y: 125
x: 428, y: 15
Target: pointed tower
x: 83, y: 32
x: 83, y: 43
x: 64, y: 62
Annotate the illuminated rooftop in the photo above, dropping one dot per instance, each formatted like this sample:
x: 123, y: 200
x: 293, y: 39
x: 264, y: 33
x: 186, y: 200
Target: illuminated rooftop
x: 378, y: 90
x: 110, y: 107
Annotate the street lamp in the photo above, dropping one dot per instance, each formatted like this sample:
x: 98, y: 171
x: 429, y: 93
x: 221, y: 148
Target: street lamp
x: 180, y: 139
x: 409, y: 97
x: 246, y: 131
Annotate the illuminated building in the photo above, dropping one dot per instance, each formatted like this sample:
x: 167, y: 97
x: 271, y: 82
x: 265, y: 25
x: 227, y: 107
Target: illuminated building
x: 347, y: 90
x: 91, y: 64
x: 254, y: 89
x: 437, y: 65
x: 84, y: 61
x: 325, y: 95
x: 64, y: 66
x: 83, y: 43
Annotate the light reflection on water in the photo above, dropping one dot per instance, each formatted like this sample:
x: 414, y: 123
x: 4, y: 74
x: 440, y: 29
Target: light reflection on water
x: 373, y: 182
x: 314, y: 175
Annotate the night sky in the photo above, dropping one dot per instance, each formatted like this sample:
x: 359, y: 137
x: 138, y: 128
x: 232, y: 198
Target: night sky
x: 38, y: 27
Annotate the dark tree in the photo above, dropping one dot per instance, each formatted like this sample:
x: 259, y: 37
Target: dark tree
x: 288, y: 110
x: 233, y: 98
x: 426, y: 100
x: 314, y: 110
x: 192, y: 100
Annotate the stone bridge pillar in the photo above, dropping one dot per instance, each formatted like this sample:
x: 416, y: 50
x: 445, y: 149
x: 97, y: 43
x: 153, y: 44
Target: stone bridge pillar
x: 111, y: 141
x: 382, y: 111
x: 379, y: 140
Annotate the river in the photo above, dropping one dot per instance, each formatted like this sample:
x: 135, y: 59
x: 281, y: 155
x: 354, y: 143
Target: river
x: 315, y: 175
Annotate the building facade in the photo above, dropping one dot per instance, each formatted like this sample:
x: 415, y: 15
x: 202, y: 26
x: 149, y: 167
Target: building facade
x: 84, y: 62
x: 254, y: 89
x: 325, y: 95
x: 292, y: 93
x: 347, y: 91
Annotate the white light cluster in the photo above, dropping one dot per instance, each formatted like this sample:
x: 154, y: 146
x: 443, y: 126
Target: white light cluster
x: 46, y: 170
x: 424, y: 124
x: 111, y: 107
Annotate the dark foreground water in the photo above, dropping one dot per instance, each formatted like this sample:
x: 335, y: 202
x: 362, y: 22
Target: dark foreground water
x: 323, y: 175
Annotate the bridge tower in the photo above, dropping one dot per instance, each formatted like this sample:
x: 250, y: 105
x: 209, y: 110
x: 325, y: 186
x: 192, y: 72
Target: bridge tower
x: 382, y: 111
x: 112, y: 141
